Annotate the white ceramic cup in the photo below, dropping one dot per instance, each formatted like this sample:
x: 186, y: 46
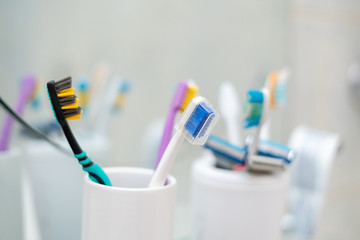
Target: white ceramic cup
x: 11, y: 163
x: 128, y: 210
x: 236, y: 205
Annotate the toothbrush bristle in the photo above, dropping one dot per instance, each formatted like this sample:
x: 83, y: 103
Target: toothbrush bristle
x: 273, y: 79
x: 200, y: 120
x: 125, y: 87
x: 255, y: 96
x: 280, y: 93
x: 190, y: 94
x: 253, y: 109
x: 69, y: 103
x: 63, y: 84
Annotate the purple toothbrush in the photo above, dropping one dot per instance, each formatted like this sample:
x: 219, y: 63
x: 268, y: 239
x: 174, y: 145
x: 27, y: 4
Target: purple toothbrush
x: 169, y: 125
x: 26, y: 92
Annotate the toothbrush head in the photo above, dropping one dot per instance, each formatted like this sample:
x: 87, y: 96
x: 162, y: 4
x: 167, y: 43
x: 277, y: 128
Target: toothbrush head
x: 83, y: 86
x: 124, y: 89
x: 273, y: 79
x: 281, y: 86
x: 191, y: 92
x: 198, y: 120
x: 64, y: 103
x: 226, y: 150
x: 277, y: 88
x: 29, y: 88
x: 253, y: 108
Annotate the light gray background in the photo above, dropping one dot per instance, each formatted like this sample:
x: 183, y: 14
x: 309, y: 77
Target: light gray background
x: 157, y: 43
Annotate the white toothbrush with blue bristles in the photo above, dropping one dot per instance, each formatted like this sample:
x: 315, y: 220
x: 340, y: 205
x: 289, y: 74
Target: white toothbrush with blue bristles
x: 195, y: 125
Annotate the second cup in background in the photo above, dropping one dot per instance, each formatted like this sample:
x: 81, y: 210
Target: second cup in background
x: 236, y: 205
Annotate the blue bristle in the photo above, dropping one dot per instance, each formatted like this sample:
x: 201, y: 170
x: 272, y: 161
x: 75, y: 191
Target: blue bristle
x: 255, y: 96
x: 83, y: 84
x: 201, y: 113
x: 125, y: 87
x: 280, y: 94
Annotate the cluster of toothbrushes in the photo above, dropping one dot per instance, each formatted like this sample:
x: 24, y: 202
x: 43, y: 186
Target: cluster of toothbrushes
x: 197, y: 121
x: 257, y: 153
x: 98, y: 96
x: 96, y: 99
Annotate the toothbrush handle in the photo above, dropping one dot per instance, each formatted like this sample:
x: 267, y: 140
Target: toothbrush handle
x: 176, y: 103
x: 233, y: 131
x: 169, y: 125
x: 161, y: 173
x: 265, y: 130
x: 5, y: 136
x: 96, y: 173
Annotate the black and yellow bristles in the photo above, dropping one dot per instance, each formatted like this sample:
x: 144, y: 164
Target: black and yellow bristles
x: 63, y: 100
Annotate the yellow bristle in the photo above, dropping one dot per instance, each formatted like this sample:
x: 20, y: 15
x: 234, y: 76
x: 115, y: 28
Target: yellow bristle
x: 273, y: 78
x: 35, y: 92
x: 120, y: 99
x: 83, y: 96
x: 67, y: 92
x: 71, y: 105
x: 74, y: 117
x: 190, y: 94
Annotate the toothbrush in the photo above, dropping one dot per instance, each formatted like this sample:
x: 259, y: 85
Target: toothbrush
x: 226, y: 150
x: 114, y: 99
x: 276, y: 150
x: 27, y: 91
x: 30, y: 128
x: 270, y: 156
x: 83, y: 85
x: 65, y: 106
x: 97, y: 92
x: 123, y: 91
x: 255, y: 110
x: 276, y: 84
x: 195, y: 125
x: 183, y: 95
x: 228, y: 104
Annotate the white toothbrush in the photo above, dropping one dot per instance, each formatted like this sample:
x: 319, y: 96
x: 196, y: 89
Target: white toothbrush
x: 230, y: 111
x: 195, y: 125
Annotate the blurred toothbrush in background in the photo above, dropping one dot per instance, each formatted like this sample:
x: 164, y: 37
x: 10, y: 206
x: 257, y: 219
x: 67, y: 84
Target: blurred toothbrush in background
x: 84, y: 87
x: 196, y: 123
x: 124, y: 88
x: 255, y: 113
x: 113, y: 101
x: 230, y: 111
x: 276, y: 84
x: 256, y: 110
x: 227, y: 155
x: 224, y: 150
x: 27, y: 93
x: 185, y: 92
x: 97, y: 92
